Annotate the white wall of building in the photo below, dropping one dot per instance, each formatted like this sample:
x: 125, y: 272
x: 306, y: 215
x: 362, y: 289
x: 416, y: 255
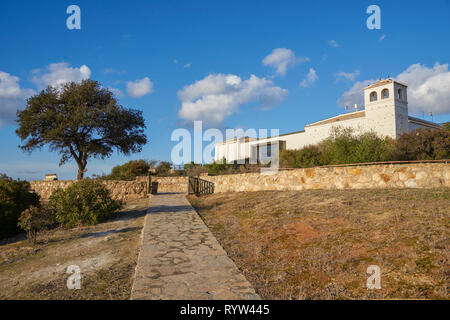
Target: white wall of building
x: 386, y: 116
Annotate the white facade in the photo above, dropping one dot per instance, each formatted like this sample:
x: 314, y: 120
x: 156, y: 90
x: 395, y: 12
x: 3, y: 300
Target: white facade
x: 385, y: 113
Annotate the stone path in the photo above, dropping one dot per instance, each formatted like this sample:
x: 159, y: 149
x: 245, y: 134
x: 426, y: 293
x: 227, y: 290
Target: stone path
x: 181, y: 259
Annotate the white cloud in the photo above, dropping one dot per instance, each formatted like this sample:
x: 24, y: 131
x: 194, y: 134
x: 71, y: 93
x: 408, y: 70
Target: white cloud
x: 218, y: 96
x: 140, y: 87
x: 59, y: 74
x: 12, y: 97
x: 383, y: 36
x: 281, y: 59
x: 187, y: 65
x: 428, y: 89
x: 310, y: 78
x: 347, y: 75
x: 333, y: 43
x: 175, y: 61
x: 355, y: 94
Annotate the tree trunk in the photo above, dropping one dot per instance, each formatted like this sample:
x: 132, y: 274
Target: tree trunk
x: 80, y: 173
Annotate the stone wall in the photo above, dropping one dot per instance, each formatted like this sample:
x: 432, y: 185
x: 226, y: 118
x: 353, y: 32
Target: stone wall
x: 120, y: 190
x: 420, y: 175
x: 423, y: 175
x: 171, y: 184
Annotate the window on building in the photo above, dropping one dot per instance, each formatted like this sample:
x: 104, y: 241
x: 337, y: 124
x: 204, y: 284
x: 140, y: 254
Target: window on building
x: 385, y: 94
x: 373, y: 96
x: 399, y: 94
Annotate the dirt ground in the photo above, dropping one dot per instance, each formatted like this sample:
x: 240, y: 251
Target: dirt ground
x: 106, y: 254
x: 318, y: 244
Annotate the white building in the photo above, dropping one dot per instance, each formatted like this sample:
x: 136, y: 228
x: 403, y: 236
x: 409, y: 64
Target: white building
x: 385, y: 112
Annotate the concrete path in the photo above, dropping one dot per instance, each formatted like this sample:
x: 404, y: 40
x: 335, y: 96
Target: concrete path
x: 181, y: 259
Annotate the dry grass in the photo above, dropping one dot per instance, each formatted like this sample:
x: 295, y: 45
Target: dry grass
x: 106, y: 254
x: 317, y: 244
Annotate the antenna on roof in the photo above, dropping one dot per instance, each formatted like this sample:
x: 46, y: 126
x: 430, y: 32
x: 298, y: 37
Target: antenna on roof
x: 346, y: 108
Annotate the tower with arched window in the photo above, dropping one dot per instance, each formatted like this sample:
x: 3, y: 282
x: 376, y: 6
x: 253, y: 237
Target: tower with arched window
x: 386, y: 107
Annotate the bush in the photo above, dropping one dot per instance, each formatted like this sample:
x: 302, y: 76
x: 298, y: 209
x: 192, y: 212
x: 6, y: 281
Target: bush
x: 344, y: 146
x: 193, y: 169
x: 217, y: 168
x: 309, y: 156
x: 15, y: 197
x: 130, y: 170
x: 163, y: 168
x: 423, y: 144
x: 84, y: 202
x: 34, y: 220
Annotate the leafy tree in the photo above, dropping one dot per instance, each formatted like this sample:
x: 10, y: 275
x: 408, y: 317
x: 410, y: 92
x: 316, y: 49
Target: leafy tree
x: 80, y: 121
x: 15, y: 197
x: 372, y: 148
x: 34, y: 220
x: 341, y: 145
x: 131, y: 170
x: 423, y: 144
x: 163, y: 168
x: 344, y: 146
x: 217, y: 168
x: 194, y: 169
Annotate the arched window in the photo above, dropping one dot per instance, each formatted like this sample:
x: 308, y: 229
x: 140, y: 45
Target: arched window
x: 385, y: 94
x: 399, y: 94
x: 373, y: 96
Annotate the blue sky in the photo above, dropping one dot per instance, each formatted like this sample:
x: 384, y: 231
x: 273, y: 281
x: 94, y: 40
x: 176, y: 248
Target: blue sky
x: 185, y: 47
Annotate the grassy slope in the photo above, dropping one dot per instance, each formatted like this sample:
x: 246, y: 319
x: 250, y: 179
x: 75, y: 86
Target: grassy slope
x: 317, y: 244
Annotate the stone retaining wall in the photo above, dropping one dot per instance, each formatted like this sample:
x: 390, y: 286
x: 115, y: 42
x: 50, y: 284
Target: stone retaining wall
x: 120, y: 190
x: 171, y: 184
x: 423, y: 175
x: 420, y: 175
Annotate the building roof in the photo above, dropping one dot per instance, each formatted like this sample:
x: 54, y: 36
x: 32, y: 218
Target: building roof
x: 341, y: 117
x: 423, y: 122
x: 245, y: 139
x: 383, y: 82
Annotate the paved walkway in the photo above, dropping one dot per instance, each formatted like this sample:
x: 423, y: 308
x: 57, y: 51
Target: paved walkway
x: 181, y: 259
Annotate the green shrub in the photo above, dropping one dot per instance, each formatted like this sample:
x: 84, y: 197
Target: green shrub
x: 34, y: 220
x: 217, y: 168
x: 372, y: 148
x: 84, y: 202
x: 15, y: 197
x: 130, y: 170
x: 194, y: 169
x: 309, y: 156
x: 423, y: 144
x: 163, y: 168
x: 344, y: 146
